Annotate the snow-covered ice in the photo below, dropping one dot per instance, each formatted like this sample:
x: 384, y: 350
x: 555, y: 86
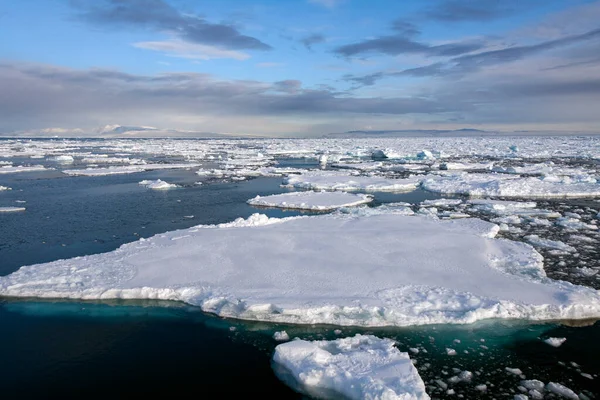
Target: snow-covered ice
x: 371, y: 270
x: 11, y: 209
x: 359, y: 367
x: 4, y: 188
x: 320, y: 201
x: 548, y: 244
x: 157, y: 184
x: 499, y: 185
x: 9, y: 169
x: 555, y: 342
x: 329, y: 180
x: 128, y: 169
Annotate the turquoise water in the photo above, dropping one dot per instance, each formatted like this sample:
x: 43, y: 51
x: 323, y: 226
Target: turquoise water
x: 52, y: 349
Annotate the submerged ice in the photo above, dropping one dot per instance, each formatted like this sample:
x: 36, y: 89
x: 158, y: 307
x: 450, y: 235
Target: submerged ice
x: 371, y: 270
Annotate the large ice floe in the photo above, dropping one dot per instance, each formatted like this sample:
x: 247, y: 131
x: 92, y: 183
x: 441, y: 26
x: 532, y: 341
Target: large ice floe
x: 500, y: 185
x: 366, y: 270
x: 359, y: 367
x: 127, y: 169
x: 330, y: 180
x: 9, y: 169
x: 316, y: 201
x: 157, y: 184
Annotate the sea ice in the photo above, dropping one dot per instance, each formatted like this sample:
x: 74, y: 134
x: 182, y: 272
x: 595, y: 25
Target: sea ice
x: 548, y: 244
x: 372, y: 270
x: 4, y: 188
x: 320, y: 201
x: 157, y: 184
x: 11, y: 209
x: 9, y: 169
x: 498, y: 185
x: 359, y: 367
x: 128, y: 169
x: 561, y: 390
x: 329, y: 180
x: 555, y: 342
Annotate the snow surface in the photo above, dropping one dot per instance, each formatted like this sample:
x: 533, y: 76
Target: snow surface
x: 320, y: 201
x: 9, y: 169
x: 329, y: 180
x: 371, y: 270
x: 359, y: 367
x: 555, y: 342
x: 157, y: 184
x: 128, y: 169
x: 11, y: 209
x: 498, y: 185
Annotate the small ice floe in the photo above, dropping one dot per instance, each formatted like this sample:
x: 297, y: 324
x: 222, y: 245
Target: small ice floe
x: 4, y: 188
x: 157, y: 184
x: 328, y: 180
x: 450, y: 352
x: 64, y: 159
x: 281, y: 336
x: 514, y: 371
x: 466, y: 166
x: 442, y: 202
x: 9, y: 169
x: 554, y: 341
x: 574, y: 224
x: 11, y: 209
x: 359, y: 367
x: 316, y: 201
x: 561, y: 390
x: 537, y: 241
x: 127, y: 169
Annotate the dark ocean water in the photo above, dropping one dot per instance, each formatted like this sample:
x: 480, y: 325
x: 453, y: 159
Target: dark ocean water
x: 68, y: 349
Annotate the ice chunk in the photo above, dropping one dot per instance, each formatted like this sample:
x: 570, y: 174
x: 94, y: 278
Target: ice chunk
x: 533, y: 384
x: 359, y: 367
x: 465, y: 166
x: 4, y: 188
x: 328, y: 180
x: 157, y: 184
x: 11, y: 209
x: 281, y: 336
x: 548, y: 244
x: 343, y: 269
x: 311, y: 200
x: 555, y: 342
x: 66, y: 159
x: 442, y: 202
x: 561, y: 390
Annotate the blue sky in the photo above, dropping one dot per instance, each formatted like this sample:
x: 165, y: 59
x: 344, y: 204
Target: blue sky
x: 299, y: 67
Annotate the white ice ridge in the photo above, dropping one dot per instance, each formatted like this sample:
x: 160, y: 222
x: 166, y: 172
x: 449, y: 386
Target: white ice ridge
x: 9, y: 169
x: 157, y: 184
x: 128, y: 169
x: 329, y: 180
x: 320, y: 201
x: 371, y: 270
x: 11, y: 209
x: 499, y: 185
x: 359, y: 367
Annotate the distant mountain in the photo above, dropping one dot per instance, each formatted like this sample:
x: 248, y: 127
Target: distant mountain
x: 413, y: 133
x: 119, y: 129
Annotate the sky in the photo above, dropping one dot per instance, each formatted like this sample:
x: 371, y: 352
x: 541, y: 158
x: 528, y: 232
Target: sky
x: 299, y: 67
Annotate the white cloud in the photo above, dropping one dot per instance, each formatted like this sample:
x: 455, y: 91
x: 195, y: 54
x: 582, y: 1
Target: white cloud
x: 194, y: 51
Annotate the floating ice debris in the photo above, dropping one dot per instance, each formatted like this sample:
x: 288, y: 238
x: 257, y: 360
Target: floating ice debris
x: 548, y: 244
x: 561, y: 390
x: 481, y: 388
x: 515, y: 371
x: 500, y: 206
x: 320, y: 201
x: 520, y: 397
x: 359, y: 367
x: 466, y: 166
x: 11, y: 169
x: 450, y: 352
x: 11, y: 209
x: 555, y: 342
x: 343, y: 269
x: 329, y: 180
x: 64, y: 159
x: 442, y: 202
x: 497, y: 185
x: 4, y: 188
x: 128, y: 169
x: 281, y: 336
x: 533, y: 384
x: 157, y: 184
x: 574, y: 223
